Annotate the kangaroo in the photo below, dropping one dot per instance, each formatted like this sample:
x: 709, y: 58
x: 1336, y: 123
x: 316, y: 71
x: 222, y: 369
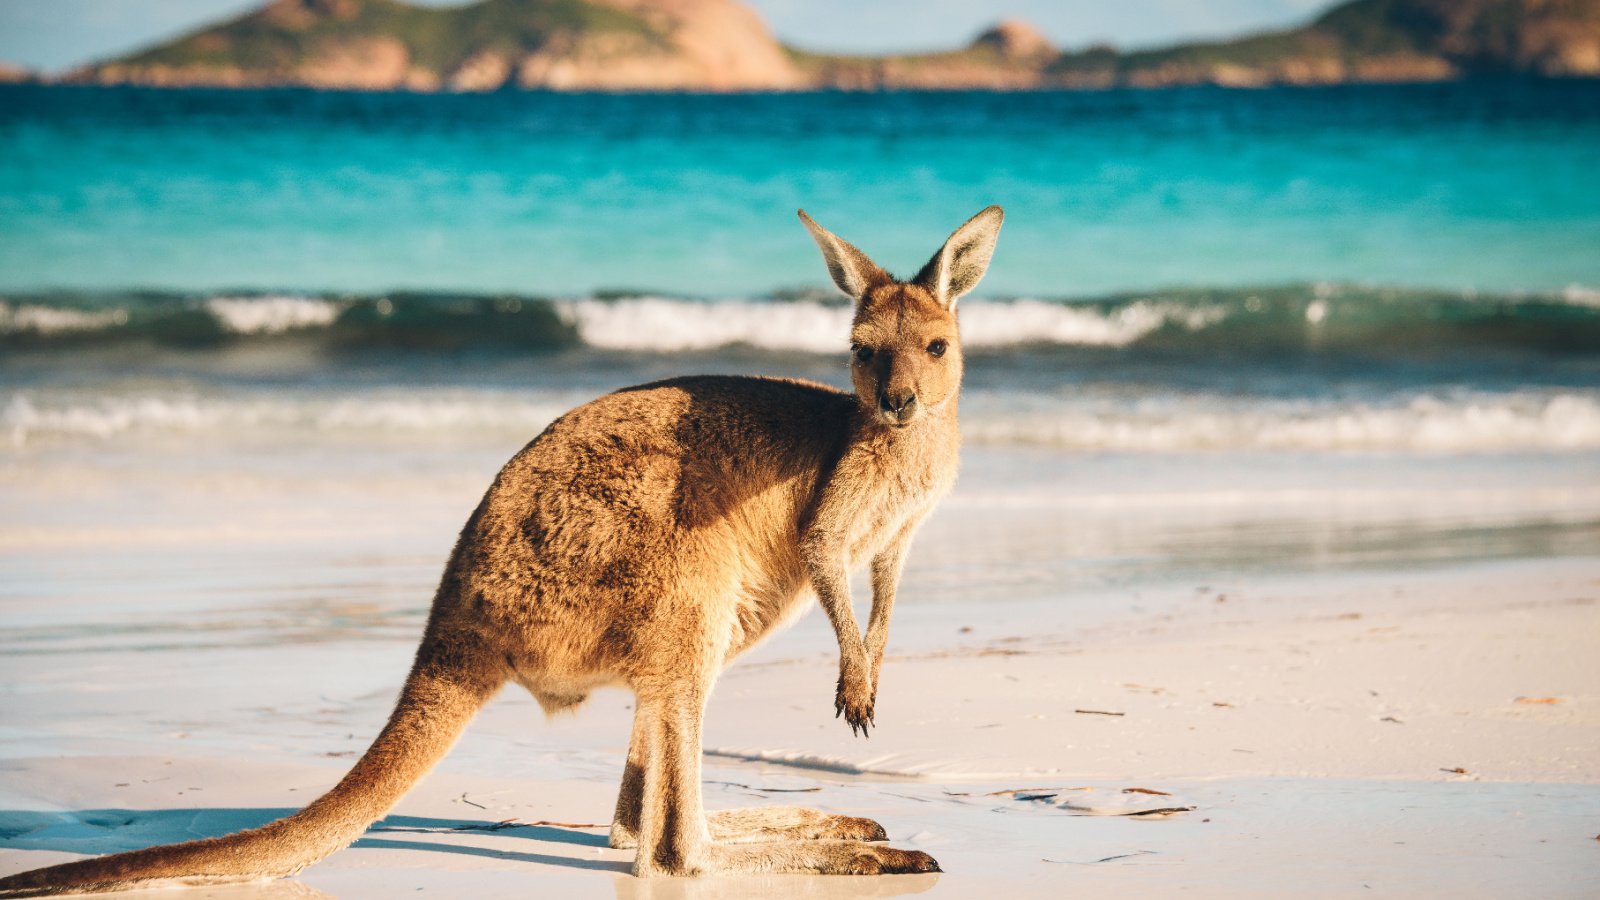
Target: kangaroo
x: 646, y: 539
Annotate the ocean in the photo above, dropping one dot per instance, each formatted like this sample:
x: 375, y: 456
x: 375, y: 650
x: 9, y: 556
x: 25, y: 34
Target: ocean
x: 1327, y: 327
x: 1481, y: 186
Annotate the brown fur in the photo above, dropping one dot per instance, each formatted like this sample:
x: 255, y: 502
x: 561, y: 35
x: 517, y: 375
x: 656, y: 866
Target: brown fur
x: 646, y: 539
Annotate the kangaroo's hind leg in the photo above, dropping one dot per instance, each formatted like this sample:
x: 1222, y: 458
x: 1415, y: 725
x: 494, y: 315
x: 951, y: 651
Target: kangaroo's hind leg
x: 625, y: 822
x: 674, y: 838
x: 733, y: 826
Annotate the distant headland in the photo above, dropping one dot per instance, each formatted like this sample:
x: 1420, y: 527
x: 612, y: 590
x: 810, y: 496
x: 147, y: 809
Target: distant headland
x: 722, y: 45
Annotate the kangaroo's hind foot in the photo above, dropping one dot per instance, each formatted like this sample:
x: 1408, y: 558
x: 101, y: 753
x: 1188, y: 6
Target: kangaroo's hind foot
x: 756, y: 824
x: 775, y: 823
x: 822, y: 858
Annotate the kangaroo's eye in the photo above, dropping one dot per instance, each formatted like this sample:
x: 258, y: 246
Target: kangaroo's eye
x: 863, y: 354
x: 937, y: 348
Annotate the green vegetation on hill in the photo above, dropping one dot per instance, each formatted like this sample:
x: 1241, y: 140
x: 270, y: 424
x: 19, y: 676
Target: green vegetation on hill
x: 1424, y: 37
x: 288, y: 33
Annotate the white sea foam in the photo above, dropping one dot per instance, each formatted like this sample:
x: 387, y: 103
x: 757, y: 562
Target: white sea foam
x: 28, y: 417
x: 1474, y: 423
x: 666, y: 325
x: 661, y: 324
x: 1526, y: 421
x: 28, y: 317
x: 271, y: 315
x: 1580, y: 295
x: 1018, y: 322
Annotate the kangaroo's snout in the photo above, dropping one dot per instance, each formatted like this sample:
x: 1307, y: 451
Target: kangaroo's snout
x: 897, y: 407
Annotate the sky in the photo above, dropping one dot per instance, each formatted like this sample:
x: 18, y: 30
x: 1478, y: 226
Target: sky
x: 54, y: 35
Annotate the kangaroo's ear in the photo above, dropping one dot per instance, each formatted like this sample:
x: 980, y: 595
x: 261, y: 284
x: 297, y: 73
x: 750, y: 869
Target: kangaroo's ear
x: 961, y: 262
x: 852, y: 271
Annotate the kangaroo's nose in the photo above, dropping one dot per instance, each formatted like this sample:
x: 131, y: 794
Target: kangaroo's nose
x: 897, y: 403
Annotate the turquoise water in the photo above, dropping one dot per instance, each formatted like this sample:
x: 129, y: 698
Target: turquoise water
x: 1402, y: 269
x: 1476, y: 186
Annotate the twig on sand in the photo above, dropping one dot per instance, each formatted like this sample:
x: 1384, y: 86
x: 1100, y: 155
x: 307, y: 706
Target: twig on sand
x: 1161, y: 813
x: 1095, y: 862
x: 1147, y: 791
x: 1097, y: 712
x: 470, y: 803
x: 549, y: 824
x: 1030, y: 793
x: 769, y: 790
x: 501, y: 825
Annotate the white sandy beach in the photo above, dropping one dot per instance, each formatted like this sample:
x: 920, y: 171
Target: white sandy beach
x: 1351, y: 692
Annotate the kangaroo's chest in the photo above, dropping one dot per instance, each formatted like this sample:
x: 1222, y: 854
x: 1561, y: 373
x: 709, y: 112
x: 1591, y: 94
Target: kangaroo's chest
x: 894, y: 506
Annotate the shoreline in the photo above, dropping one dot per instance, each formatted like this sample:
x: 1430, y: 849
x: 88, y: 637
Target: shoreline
x: 1419, y: 79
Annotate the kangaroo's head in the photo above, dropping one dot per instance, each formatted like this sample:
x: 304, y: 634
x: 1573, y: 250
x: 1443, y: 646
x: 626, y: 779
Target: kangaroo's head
x: 905, y: 346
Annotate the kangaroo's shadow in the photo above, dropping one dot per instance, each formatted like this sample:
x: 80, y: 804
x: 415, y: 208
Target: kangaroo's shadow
x: 100, y: 831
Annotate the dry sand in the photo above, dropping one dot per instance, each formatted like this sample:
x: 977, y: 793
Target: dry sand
x: 1432, y: 732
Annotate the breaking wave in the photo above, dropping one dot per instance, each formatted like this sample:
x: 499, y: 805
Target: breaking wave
x: 271, y: 315
x: 1303, y: 318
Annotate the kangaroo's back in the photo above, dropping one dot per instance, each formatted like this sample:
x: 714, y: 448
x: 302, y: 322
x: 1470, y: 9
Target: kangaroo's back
x: 635, y: 499
x: 679, y: 456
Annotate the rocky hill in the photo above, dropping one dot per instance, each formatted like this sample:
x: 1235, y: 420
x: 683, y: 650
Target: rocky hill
x: 723, y: 45
x: 1364, y: 40
x: 11, y: 73
x: 1373, y: 40
x: 388, y: 44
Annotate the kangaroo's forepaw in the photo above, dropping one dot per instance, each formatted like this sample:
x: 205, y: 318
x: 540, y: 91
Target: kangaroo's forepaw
x: 854, y: 700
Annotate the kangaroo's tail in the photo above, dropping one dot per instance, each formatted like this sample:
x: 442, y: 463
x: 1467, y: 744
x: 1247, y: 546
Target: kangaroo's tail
x: 444, y: 691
